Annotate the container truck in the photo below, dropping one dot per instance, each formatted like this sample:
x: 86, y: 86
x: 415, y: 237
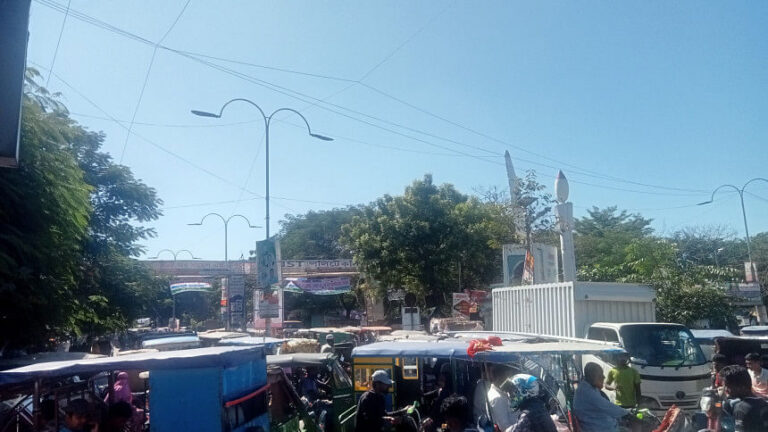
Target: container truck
x: 671, y: 364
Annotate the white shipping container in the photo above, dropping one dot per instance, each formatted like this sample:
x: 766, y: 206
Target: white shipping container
x: 568, y: 308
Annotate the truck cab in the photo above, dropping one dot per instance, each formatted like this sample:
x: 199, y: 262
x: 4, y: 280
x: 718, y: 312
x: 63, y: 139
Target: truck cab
x: 671, y: 364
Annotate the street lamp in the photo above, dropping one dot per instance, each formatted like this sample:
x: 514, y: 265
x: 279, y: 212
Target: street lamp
x: 175, y: 258
x: 743, y: 214
x: 226, y: 221
x: 226, y: 228
x: 174, y: 253
x: 267, y: 122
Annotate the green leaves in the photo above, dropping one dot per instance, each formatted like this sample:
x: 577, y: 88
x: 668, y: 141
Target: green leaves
x: 67, y: 229
x: 430, y: 241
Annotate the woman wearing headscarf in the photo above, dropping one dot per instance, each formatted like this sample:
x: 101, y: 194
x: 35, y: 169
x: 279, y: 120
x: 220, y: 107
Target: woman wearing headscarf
x: 121, y: 390
x: 524, y: 394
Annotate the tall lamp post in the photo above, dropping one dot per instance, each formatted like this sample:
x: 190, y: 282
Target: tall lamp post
x: 175, y: 258
x: 226, y: 244
x: 267, y: 122
x: 743, y: 214
x: 226, y: 229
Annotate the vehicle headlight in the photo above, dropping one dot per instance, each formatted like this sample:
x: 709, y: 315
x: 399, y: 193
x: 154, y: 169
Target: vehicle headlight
x: 649, y: 403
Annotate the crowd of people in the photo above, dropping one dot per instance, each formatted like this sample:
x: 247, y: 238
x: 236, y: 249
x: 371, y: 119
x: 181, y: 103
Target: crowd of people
x: 502, y: 403
x: 741, y: 395
x: 115, y: 413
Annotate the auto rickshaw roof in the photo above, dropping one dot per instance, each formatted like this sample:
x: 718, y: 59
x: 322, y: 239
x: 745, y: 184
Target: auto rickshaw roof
x: 457, y: 349
x: 300, y: 359
x: 218, y: 334
x: 220, y: 356
x: 251, y: 340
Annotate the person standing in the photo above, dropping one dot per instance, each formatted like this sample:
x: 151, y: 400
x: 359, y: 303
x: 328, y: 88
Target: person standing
x: 499, y: 403
x: 758, y: 374
x: 329, y: 341
x: 372, y: 414
x: 625, y: 381
x: 746, y: 412
x: 719, y: 361
x: 593, y: 409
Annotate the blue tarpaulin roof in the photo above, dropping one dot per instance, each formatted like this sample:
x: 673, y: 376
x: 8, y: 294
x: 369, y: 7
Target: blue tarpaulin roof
x: 457, y: 349
x: 220, y: 356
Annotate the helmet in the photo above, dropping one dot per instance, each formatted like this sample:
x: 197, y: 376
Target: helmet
x: 521, y: 387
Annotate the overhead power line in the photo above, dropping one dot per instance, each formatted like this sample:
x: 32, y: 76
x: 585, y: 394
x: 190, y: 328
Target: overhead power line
x: 58, y: 41
x: 305, y: 97
x: 146, y: 77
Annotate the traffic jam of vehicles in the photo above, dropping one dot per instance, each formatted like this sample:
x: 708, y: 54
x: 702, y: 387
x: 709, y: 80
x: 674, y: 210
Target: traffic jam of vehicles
x: 572, y: 370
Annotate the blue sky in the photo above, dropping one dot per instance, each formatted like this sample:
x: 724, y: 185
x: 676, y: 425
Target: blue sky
x: 644, y: 105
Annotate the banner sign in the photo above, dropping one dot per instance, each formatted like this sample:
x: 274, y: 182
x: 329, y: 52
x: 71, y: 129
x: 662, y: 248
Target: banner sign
x: 317, y: 266
x: 269, y: 304
x: 267, y: 254
x: 319, y: 286
x: 467, y: 304
x: 177, y: 288
x: 200, y: 267
x: 545, y: 269
x: 236, y: 303
x: 528, y: 268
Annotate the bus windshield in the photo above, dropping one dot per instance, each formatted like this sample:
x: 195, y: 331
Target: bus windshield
x: 661, y: 345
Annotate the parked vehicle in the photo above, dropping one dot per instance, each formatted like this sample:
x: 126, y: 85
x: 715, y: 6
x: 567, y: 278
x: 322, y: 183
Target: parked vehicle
x: 336, y: 400
x: 706, y: 339
x: 205, y: 389
x: 737, y: 347
x: 413, y: 364
x: 172, y: 343
x: 756, y: 330
x: 671, y: 364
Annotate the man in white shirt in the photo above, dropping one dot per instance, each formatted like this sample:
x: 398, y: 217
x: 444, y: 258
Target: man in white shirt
x: 758, y: 374
x: 498, y: 402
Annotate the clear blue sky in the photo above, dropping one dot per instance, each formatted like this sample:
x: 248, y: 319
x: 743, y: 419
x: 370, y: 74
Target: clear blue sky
x: 624, y: 97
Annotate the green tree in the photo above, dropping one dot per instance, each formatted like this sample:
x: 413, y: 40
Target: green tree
x: 44, y: 218
x: 69, y: 225
x: 431, y: 241
x: 601, y: 238
x: 315, y: 234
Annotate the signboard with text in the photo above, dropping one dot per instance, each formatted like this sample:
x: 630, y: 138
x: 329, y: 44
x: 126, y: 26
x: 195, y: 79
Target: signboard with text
x: 236, y: 299
x: 319, y: 286
x: 268, y: 258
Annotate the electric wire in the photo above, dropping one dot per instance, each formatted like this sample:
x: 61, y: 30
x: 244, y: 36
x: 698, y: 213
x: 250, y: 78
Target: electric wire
x: 146, y: 78
x: 267, y: 84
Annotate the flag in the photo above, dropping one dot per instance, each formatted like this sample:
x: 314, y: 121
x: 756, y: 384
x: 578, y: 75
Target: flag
x: 528, y: 269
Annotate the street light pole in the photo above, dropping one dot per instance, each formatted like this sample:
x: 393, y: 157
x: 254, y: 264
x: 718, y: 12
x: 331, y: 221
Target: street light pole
x: 226, y: 241
x: 743, y: 214
x: 267, y: 123
x: 226, y: 229
x: 175, y: 258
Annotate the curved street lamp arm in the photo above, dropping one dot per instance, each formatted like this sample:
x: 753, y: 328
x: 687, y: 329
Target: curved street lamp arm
x: 306, y: 122
x: 244, y: 218
x: 202, y: 221
x: 187, y: 251
x: 164, y: 250
x: 248, y: 101
x: 753, y: 180
x: 712, y: 198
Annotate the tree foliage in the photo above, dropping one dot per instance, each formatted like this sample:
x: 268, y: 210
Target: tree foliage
x: 431, y: 241
x: 315, y: 234
x: 68, y: 228
x: 619, y: 247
